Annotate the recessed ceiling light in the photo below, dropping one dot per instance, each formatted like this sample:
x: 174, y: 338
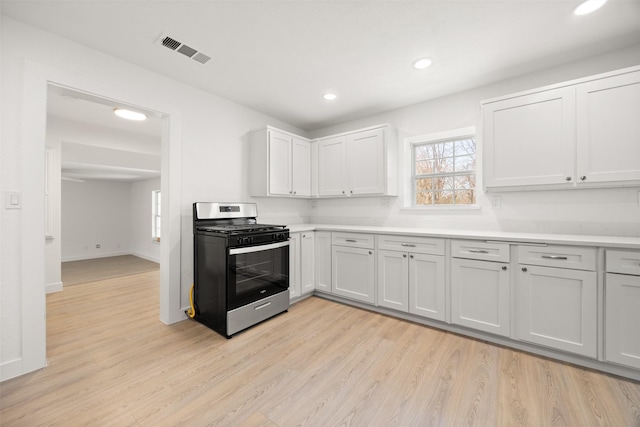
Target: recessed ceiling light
x: 588, y: 6
x: 422, y: 63
x: 128, y: 114
x: 329, y: 96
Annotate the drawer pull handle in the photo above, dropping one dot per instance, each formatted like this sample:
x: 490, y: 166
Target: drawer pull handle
x: 478, y: 251
x: 350, y: 240
x: 407, y: 245
x: 262, y: 306
x: 554, y: 257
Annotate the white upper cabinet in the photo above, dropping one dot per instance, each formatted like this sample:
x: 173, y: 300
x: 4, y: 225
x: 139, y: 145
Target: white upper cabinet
x: 280, y: 164
x: 332, y: 166
x: 608, y: 129
x: 583, y: 133
x: 529, y: 139
x: 362, y: 162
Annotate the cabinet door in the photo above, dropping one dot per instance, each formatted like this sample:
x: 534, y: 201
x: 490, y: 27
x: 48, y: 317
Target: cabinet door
x: 558, y: 308
x: 301, y: 168
x: 427, y: 286
x: 353, y: 273
x: 279, y: 163
x: 608, y: 129
x: 622, y: 319
x: 294, y: 265
x: 366, y: 162
x: 480, y: 295
x: 307, y: 274
x: 529, y: 140
x: 332, y: 167
x: 393, y: 280
x: 323, y: 260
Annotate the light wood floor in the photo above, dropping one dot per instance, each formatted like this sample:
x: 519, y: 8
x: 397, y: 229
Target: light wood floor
x: 90, y: 270
x: 112, y: 363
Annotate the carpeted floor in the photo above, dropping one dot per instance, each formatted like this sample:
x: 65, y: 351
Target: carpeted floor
x: 91, y: 270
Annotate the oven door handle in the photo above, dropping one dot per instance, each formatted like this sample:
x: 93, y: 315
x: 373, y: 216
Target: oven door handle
x: 249, y: 249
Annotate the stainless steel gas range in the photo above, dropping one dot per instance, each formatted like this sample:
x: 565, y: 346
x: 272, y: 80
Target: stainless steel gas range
x: 241, y: 268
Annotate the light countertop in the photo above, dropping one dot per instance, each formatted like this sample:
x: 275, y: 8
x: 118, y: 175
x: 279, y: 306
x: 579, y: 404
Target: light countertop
x: 560, y: 239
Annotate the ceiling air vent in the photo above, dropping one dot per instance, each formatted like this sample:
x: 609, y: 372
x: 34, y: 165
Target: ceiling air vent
x: 178, y: 46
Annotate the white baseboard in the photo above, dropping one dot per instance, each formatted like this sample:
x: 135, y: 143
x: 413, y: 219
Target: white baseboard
x: 53, y: 287
x: 144, y: 256
x: 10, y: 369
x: 83, y: 257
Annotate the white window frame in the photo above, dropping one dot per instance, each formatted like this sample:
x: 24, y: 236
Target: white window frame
x: 156, y: 220
x: 409, y: 185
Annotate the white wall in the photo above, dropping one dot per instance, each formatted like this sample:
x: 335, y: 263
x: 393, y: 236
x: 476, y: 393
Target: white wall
x: 141, y: 212
x: 213, y: 134
x: 613, y: 211
x: 95, y: 213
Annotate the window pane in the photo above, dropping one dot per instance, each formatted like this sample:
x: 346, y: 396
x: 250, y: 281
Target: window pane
x: 424, y: 167
x: 423, y: 184
x: 465, y: 197
x: 444, y: 183
x: 465, y: 147
x: 465, y: 163
x: 465, y: 182
x: 444, y: 165
x: 423, y: 152
x: 424, y: 198
x: 443, y: 197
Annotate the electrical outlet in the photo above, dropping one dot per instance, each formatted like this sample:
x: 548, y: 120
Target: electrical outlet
x: 314, y: 204
x: 384, y: 202
x: 496, y: 202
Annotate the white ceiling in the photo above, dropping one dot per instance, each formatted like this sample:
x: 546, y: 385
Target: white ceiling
x: 279, y: 57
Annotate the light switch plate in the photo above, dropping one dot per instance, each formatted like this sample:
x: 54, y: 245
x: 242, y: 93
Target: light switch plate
x: 12, y: 200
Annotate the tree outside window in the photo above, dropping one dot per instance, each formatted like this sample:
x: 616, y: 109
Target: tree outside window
x: 444, y: 172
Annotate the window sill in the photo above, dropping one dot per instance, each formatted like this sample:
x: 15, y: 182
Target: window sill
x: 438, y: 208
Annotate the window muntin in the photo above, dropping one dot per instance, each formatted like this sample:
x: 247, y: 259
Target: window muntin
x: 444, y: 172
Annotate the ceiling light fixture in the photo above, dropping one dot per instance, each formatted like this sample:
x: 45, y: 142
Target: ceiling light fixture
x: 422, y: 63
x: 129, y: 115
x: 329, y: 96
x: 588, y: 6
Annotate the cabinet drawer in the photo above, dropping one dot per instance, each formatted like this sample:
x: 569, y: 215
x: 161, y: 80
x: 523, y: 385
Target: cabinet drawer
x: 577, y: 258
x: 355, y: 240
x: 623, y: 262
x: 420, y: 245
x: 480, y: 250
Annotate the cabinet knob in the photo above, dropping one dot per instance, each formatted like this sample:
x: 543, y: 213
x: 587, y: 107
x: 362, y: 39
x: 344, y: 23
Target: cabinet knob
x: 583, y: 177
x: 295, y: 192
x: 524, y: 269
x: 351, y: 191
x: 410, y: 256
x: 568, y: 178
x: 404, y: 255
x: 342, y: 191
x: 370, y: 253
x: 504, y: 267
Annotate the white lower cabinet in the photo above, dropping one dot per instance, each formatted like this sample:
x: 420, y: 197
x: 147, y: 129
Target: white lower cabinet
x: 622, y: 308
x: 393, y: 280
x: 558, y: 308
x: 427, y: 286
x: 323, y: 261
x: 301, y: 264
x: 480, y: 295
x: 307, y: 256
x: 353, y: 273
x: 294, y: 265
x: 412, y: 282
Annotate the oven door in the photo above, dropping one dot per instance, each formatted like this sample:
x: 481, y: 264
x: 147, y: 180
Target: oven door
x: 256, y: 272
